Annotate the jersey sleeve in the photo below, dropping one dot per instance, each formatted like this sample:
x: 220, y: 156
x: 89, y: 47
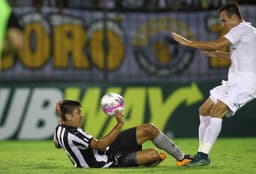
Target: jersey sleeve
x: 235, y: 34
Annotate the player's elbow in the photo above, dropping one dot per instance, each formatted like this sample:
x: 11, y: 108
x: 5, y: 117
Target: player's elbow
x: 220, y: 44
x: 99, y: 145
x: 56, y: 145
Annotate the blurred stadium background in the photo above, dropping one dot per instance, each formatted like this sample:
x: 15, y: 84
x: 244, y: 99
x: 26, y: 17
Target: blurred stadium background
x: 81, y: 49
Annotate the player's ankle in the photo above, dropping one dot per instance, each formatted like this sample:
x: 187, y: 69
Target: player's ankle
x: 203, y: 155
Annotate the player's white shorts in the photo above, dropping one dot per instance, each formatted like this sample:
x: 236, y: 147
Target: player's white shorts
x: 232, y: 95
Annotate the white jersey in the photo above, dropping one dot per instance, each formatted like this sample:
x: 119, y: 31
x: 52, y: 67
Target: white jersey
x: 243, y: 57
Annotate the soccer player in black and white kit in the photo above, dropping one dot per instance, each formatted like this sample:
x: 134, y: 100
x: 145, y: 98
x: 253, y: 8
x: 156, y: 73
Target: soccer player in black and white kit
x: 116, y: 149
x: 240, y: 87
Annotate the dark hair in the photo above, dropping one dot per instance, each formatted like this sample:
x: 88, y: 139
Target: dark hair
x: 231, y: 9
x: 67, y: 107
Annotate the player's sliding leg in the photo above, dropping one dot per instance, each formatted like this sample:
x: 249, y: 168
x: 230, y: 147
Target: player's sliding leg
x: 160, y: 140
x: 163, y: 142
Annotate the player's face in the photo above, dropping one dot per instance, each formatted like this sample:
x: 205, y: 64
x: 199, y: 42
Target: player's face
x: 77, y: 117
x: 227, y: 22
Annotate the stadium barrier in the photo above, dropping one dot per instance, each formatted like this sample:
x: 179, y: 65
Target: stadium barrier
x: 27, y: 110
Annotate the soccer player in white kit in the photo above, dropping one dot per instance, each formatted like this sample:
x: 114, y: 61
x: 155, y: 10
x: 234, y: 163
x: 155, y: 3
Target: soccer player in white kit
x: 240, y: 87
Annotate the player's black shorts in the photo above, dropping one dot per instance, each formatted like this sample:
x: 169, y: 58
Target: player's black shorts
x: 126, y: 142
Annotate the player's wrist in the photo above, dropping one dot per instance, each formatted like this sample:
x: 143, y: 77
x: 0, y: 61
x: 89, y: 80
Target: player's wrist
x: 119, y: 125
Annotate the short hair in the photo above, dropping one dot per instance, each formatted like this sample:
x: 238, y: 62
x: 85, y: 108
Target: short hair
x: 231, y: 9
x: 67, y: 107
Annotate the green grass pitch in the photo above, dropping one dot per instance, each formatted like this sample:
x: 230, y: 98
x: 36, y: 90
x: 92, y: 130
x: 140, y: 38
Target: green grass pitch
x: 229, y: 155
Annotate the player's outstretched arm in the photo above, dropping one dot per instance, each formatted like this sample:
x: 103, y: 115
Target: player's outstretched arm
x: 182, y: 40
x: 202, y: 45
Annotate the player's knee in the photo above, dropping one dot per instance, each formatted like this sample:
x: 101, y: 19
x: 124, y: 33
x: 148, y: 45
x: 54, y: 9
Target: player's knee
x: 203, y: 111
x: 219, y: 111
x: 205, y: 108
x: 150, y: 130
x: 218, y: 114
x: 153, y: 155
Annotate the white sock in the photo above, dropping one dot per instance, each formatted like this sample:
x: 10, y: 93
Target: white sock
x: 204, y: 123
x: 211, y: 134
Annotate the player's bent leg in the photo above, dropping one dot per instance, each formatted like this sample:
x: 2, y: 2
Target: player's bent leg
x: 159, y: 139
x: 145, y: 157
x: 206, y: 107
x: 146, y: 132
x: 219, y: 110
x: 156, y: 163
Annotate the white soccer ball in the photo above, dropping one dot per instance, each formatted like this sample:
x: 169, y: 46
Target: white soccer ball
x: 112, y: 102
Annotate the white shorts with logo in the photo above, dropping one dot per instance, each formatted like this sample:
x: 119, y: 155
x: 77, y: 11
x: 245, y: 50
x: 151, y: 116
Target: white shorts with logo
x: 232, y: 95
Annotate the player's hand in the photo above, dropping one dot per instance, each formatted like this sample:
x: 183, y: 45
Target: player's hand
x: 182, y: 40
x: 119, y: 117
x: 58, y: 112
x: 57, y: 108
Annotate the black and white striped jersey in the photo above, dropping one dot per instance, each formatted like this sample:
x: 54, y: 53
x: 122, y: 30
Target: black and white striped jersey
x: 76, y: 143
